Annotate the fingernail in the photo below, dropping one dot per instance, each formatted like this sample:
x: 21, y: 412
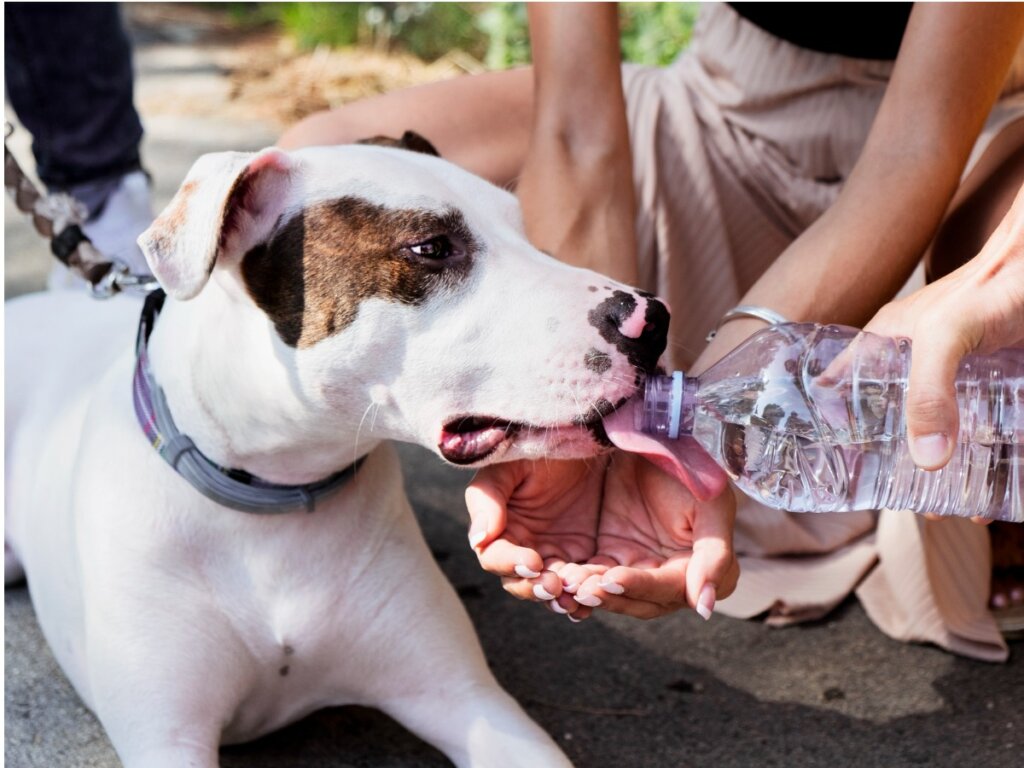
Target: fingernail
x: 706, y: 601
x: 611, y: 587
x: 930, y: 450
x: 573, y: 619
x: 476, y: 538
x: 570, y: 588
x: 590, y: 600
x: 999, y: 600
x: 526, y: 573
x: 541, y: 593
x: 557, y: 608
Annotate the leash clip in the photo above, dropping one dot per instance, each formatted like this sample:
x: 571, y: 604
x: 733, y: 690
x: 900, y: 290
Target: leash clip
x: 119, y: 279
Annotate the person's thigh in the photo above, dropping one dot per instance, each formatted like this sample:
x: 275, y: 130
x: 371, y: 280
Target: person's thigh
x: 481, y: 122
x: 980, y: 203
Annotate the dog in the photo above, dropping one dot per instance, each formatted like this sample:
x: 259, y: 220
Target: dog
x: 321, y: 304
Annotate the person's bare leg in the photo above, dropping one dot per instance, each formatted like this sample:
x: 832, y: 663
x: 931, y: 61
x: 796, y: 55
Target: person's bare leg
x: 979, y: 205
x: 481, y: 122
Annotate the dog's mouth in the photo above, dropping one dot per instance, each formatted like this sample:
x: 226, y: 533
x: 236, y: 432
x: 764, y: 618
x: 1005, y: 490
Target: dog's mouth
x: 468, y: 439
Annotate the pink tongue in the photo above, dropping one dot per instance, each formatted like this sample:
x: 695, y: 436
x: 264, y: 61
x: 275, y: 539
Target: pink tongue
x: 683, y: 458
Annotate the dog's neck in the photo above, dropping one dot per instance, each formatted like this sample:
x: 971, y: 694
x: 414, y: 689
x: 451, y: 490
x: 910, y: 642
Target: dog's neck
x: 251, y: 414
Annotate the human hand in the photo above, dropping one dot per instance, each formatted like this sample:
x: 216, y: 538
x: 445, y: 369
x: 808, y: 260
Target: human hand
x: 614, y: 531
x: 977, y: 308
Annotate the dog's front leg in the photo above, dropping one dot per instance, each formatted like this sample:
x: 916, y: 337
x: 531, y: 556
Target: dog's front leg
x: 162, y: 719
x: 478, y: 725
x: 430, y: 674
x: 179, y: 754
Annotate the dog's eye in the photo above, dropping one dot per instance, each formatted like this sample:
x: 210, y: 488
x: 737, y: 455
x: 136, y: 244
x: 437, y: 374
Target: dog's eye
x: 436, y: 248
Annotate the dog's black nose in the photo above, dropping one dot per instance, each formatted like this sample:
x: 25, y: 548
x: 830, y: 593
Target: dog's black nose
x: 637, y: 324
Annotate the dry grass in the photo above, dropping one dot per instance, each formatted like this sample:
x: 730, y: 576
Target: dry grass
x: 260, y: 74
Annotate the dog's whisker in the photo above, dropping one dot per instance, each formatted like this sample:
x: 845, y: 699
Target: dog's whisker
x: 690, y: 352
x: 373, y: 408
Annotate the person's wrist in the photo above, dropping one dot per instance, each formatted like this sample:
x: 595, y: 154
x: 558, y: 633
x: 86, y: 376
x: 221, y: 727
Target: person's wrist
x: 729, y: 336
x: 747, y: 311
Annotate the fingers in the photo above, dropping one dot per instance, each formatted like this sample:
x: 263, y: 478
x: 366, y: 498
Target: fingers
x: 643, y: 593
x: 545, y: 587
x: 507, y: 559
x: 713, y: 569
x: 487, y: 501
x: 932, y: 413
x: 574, y: 574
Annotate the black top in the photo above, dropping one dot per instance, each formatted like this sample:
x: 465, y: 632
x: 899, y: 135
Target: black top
x: 858, y: 30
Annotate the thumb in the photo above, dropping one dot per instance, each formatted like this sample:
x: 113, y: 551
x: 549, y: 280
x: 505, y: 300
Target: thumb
x: 932, y: 413
x: 487, y: 501
x: 712, y: 571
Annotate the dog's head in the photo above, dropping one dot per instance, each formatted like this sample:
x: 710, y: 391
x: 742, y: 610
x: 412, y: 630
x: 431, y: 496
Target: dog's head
x: 405, y: 302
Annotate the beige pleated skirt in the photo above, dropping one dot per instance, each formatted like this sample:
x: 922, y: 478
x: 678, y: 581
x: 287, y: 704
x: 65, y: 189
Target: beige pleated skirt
x: 737, y: 148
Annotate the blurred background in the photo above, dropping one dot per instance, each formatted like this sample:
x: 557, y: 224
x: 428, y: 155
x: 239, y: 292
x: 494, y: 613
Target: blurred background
x: 289, y: 59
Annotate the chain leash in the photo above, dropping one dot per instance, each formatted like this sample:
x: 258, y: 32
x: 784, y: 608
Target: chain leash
x: 58, y: 218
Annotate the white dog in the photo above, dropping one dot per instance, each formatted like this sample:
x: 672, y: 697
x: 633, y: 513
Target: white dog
x: 321, y: 303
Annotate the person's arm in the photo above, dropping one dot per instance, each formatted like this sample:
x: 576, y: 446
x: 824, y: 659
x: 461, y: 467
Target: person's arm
x: 576, y: 186
x: 950, y: 68
x: 614, y: 532
x: 977, y: 308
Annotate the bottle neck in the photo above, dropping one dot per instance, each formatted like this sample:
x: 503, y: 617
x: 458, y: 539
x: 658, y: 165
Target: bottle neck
x: 668, y: 406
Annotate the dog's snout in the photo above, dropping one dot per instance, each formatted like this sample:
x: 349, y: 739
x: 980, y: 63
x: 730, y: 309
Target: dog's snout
x: 636, y: 324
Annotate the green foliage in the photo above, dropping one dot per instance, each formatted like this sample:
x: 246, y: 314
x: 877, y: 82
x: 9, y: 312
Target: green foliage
x: 508, y: 38
x: 655, y: 33
x: 313, y: 24
x: 497, y: 33
x: 430, y: 30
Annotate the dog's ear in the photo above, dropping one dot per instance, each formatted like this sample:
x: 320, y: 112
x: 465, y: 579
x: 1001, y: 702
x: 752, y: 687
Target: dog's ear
x: 228, y: 203
x: 410, y: 140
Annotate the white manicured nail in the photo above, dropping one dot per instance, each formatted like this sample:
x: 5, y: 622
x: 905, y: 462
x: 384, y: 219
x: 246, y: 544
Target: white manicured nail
x: 541, y: 593
x: 611, y: 587
x: 706, y: 601
x: 590, y: 600
x: 558, y: 608
x: 526, y: 573
x: 573, y: 619
x: 476, y: 538
x: 571, y: 588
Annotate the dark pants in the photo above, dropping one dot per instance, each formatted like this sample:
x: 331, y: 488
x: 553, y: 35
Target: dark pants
x: 69, y: 79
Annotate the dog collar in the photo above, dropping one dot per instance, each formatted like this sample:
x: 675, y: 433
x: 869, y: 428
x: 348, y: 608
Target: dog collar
x: 233, y: 488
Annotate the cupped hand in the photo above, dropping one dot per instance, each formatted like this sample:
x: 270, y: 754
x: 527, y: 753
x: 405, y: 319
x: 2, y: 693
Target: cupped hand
x: 615, y: 532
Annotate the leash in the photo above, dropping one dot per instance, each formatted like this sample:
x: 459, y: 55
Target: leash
x: 58, y: 218
x: 233, y: 488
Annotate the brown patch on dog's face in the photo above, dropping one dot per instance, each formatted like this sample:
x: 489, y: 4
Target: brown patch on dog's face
x: 316, y: 270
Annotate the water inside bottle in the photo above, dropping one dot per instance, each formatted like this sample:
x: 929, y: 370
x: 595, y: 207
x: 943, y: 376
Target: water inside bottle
x: 850, y: 451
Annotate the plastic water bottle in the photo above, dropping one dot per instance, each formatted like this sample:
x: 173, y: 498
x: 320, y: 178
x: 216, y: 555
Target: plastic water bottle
x: 810, y: 418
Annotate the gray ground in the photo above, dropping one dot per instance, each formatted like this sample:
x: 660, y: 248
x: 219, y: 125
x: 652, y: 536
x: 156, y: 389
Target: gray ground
x: 612, y: 691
